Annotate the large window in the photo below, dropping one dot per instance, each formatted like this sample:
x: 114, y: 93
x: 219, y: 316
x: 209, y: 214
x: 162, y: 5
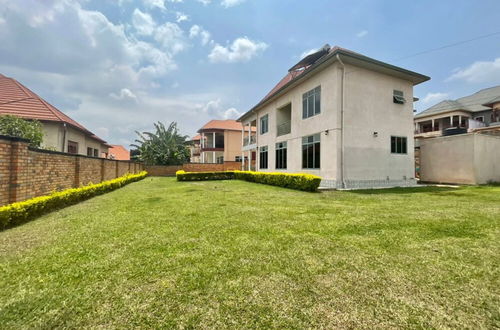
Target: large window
x: 264, y: 124
x: 96, y: 152
x: 398, y: 145
x: 90, y: 151
x: 263, y: 158
x: 72, y: 147
x: 311, y: 151
x: 281, y: 155
x: 311, y: 103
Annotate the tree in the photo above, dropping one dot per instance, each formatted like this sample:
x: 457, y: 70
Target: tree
x: 164, y: 147
x: 18, y: 127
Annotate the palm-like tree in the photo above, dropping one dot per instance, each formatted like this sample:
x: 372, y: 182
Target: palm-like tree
x: 164, y: 147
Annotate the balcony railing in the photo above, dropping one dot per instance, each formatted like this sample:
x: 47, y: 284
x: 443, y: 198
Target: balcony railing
x: 249, y: 140
x: 284, y: 128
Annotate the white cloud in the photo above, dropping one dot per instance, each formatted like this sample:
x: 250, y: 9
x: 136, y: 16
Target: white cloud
x: 143, y: 22
x: 205, y: 2
x: 154, y: 4
x: 479, y: 72
x: 361, y: 33
x: 308, y: 52
x: 181, y: 17
x: 125, y: 94
x: 171, y: 37
x: 231, y: 113
x: 198, y: 31
x: 241, y: 50
x: 231, y: 3
x: 432, y: 98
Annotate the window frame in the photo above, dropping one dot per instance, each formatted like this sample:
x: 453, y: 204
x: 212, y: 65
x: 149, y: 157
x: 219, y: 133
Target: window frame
x: 281, y: 154
x: 315, y: 94
x: 482, y: 118
x: 90, y: 152
x: 264, y: 150
x: 398, y: 96
x: 401, y: 149
x: 96, y: 153
x: 311, y: 144
x: 261, y: 119
x: 72, y: 144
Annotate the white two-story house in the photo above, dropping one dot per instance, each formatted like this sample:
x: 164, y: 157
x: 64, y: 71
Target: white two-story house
x: 338, y: 114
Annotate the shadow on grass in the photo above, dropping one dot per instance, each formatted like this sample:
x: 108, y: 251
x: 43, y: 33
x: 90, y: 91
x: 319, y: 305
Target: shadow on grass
x: 404, y: 190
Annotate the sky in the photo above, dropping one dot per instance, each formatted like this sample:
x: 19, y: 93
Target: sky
x: 117, y: 66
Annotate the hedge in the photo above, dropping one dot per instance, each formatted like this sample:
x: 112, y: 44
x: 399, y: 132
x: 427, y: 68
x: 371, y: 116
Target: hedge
x: 305, y: 182
x: 21, y: 212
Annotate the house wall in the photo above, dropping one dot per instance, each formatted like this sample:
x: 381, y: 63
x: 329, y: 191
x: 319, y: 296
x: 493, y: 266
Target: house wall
x: 53, y: 136
x: 26, y: 173
x: 368, y: 108
x: 461, y: 159
x: 232, y: 145
x: 169, y: 170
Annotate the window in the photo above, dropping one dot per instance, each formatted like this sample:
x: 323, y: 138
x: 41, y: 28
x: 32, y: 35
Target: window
x: 398, y: 145
x: 96, y: 152
x: 398, y: 97
x: 311, y: 151
x: 311, y: 103
x: 263, y: 158
x: 220, y: 160
x: 281, y: 155
x: 237, y: 159
x: 264, y: 124
x: 72, y: 147
x: 480, y: 118
x: 89, y: 152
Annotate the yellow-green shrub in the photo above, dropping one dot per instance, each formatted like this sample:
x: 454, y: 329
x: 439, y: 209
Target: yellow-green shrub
x: 20, y: 212
x: 305, y: 182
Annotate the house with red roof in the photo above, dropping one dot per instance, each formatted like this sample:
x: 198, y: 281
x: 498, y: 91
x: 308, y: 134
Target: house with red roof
x: 118, y: 152
x: 61, y: 133
x: 220, y: 140
x: 338, y: 114
x: 195, y: 149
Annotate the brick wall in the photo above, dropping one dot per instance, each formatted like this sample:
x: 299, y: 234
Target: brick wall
x: 26, y: 173
x: 192, y: 167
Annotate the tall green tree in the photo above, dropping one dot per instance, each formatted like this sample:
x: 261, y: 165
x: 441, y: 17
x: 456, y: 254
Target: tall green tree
x: 166, y: 146
x: 18, y: 127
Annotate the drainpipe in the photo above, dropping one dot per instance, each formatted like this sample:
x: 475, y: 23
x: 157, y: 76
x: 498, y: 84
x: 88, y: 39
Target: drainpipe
x: 64, y: 137
x: 342, y: 170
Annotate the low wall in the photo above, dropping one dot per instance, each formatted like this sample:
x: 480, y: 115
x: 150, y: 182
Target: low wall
x: 27, y: 172
x: 462, y: 159
x: 159, y: 170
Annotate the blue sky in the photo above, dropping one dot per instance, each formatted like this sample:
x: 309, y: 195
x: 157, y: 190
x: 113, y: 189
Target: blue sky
x: 117, y: 66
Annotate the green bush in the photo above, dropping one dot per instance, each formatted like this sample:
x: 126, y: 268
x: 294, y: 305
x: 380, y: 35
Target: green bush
x: 21, y: 212
x: 203, y: 176
x: 18, y: 127
x: 304, y: 182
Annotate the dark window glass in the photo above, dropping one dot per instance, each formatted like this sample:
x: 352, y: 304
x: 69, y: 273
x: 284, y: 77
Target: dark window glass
x: 264, y: 124
x: 399, y: 145
x: 311, y: 103
x: 263, y: 158
x: 72, y: 147
x: 281, y: 155
x: 89, y: 152
x: 311, y: 151
x: 96, y: 152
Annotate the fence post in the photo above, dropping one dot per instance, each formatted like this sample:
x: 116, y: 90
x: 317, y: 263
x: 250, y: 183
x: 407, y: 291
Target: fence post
x: 77, y: 172
x: 18, y: 158
x: 102, y: 169
x: 116, y: 168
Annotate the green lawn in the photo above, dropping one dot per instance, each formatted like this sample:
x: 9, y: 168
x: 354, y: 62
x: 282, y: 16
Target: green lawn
x: 233, y: 254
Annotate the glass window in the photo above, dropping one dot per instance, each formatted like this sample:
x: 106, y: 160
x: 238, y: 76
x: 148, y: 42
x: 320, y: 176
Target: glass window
x: 281, y: 155
x: 72, y: 147
x: 398, y: 97
x: 263, y: 157
x: 311, y: 103
x: 399, y: 145
x: 96, y: 152
x: 264, y: 124
x: 311, y: 151
x: 89, y: 152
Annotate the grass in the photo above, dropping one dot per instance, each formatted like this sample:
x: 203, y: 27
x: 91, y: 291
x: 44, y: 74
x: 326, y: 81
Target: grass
x: 232, y: 254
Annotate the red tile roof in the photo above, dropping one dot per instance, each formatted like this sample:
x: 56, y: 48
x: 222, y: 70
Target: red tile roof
x: 119, y: 152
x: 230, y: 125
x: 16, y: 99
x: 196, y: 138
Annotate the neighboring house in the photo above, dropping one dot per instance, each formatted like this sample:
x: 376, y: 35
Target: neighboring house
x: 195, y: 149
x: 61, y: 133
x: 118, y: 152
x: 220, y: 140
x: 479, y: 111
x: 340, y: 115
